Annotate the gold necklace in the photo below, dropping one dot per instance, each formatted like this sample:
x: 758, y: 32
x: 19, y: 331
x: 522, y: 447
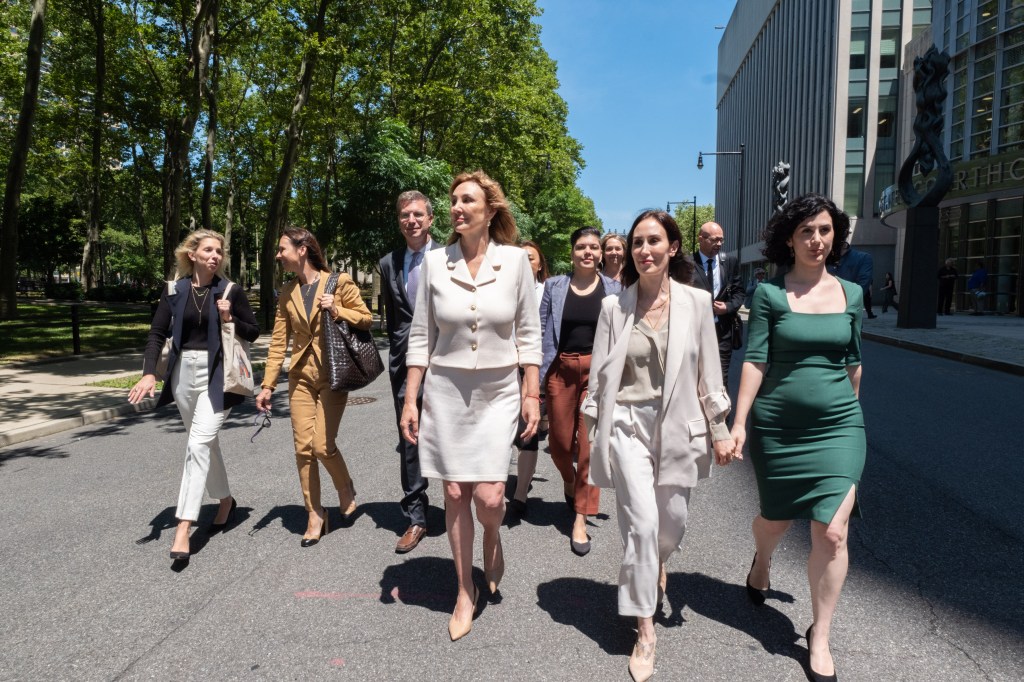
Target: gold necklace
x: 199, y: 301
x: 661, y: 306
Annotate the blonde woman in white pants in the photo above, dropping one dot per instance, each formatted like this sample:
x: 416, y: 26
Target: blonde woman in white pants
x: 191, y: 315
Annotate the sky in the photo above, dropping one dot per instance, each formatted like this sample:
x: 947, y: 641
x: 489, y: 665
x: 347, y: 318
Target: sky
x: 639, y: 78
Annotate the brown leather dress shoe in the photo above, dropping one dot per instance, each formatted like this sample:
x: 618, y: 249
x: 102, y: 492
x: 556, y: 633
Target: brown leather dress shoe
x: 410, y: 539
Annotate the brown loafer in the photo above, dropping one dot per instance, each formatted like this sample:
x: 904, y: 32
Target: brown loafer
x: 410, y: 539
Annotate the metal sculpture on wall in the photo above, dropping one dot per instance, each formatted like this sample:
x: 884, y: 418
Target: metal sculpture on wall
x: 930, y: 73
x: 780, y: 185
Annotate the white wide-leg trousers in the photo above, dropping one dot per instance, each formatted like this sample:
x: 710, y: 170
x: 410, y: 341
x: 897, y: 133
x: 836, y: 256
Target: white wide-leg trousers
x: 204, y: 466
x: 652, y: 518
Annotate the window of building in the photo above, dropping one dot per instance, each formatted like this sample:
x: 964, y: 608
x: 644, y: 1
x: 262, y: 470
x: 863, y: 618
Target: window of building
x: 856, y: 117
x: 987, y: 19
x: 853, y: 189
x: 963, y: 26
x: 981, y: 103
x: 956, y: 146
x: 859, y: 54
x: 1014, y: 12
x: 888, y: 50
x: 1011, y: 97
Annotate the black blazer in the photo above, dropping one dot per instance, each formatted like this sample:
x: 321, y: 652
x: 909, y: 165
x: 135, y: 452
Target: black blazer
x: 397, y: 314
x: 168, y: 320
x: 732, y: 292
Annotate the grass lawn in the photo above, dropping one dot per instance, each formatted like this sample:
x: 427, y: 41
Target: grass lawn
x: 45, y: 330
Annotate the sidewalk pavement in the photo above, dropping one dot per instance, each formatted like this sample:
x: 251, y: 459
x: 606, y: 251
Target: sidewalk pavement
x: 42, y: 398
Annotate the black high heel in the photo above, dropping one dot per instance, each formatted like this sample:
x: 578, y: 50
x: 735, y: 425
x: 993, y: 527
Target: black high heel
x: 217, y: 527
x: 755, y: 595
x: 816, y: 677
x: 325, y: 528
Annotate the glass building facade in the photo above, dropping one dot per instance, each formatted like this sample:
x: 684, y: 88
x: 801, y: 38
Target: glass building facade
x: 983, y: 215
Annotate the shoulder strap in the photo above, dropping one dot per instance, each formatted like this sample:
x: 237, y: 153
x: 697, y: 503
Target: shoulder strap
x: 226, y: 290
x: 172, y: 287
x: 332, y: 283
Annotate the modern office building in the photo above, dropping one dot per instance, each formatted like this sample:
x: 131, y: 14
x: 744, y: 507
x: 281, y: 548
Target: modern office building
x: 982, y: 217
x: 815, y: 83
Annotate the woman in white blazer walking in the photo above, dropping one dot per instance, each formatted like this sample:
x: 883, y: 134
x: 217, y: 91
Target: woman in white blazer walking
x: 656, y: 412
x: 475, y: 325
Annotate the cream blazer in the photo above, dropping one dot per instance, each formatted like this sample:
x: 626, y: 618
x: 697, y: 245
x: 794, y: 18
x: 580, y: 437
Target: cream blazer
x: 484, y: 323
x: 291, y: 322
x: 694, y: 403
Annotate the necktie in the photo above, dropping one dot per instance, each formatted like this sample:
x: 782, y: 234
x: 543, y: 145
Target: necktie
x: 711, y: 275
x: 413, y: 281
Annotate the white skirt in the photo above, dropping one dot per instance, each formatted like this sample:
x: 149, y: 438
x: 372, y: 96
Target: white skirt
x: 468, y: 423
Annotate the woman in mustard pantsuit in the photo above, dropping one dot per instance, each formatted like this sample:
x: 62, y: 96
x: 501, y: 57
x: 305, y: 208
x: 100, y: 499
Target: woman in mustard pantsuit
x: 800, y: 384
x: 315, y: 409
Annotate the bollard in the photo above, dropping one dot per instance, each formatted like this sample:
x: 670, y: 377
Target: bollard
x: 76, y: 331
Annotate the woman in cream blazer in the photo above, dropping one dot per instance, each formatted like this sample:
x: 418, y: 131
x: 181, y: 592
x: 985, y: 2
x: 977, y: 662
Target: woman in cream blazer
x: 315, y: 409
x: 655, y: 411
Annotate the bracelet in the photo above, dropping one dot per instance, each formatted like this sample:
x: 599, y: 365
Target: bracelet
x: 535, y: 397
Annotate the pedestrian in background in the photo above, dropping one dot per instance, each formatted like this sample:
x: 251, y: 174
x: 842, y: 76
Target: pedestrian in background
x: 613, y: 250
x: 800, y: 386
x: 316, y: 410
x: 475, y: 325
x: 758, y: 277
x: 857, y: 267
x: 976, y: 285
x: 401, y: 271
x: 568, y: 319
x: 526, y: 461
x: 947, y: 282
x: 719, y: 274
x: 889, y: 294
x: 192, y: 316
x: 656, y: 408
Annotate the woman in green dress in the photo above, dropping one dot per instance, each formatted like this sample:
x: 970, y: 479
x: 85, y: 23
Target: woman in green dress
x: 800, y: 383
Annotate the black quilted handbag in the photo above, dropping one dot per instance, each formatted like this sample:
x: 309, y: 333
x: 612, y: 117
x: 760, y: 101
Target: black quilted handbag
x: 352, y: 360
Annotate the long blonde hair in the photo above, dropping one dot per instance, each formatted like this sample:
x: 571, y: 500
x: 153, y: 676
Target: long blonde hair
x: 184, y: 265
x: 503, y: 228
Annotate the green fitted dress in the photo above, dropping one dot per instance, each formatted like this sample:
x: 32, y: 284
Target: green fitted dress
x: 806, y: 438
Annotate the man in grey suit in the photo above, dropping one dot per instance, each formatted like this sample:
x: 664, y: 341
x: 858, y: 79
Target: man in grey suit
x: 719, y: 274
x: 400, y: 277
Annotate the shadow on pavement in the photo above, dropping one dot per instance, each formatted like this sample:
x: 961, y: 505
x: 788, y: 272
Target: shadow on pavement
x: 9, y: 455
x: 590, y: 607
x: 727, y: 604
x: 428, y: 582
x: 292, y: 516
x: 389, y: 516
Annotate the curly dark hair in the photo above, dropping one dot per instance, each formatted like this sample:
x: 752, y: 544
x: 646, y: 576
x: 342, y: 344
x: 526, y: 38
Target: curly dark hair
x: 680, y: 267
x: 782, y: 225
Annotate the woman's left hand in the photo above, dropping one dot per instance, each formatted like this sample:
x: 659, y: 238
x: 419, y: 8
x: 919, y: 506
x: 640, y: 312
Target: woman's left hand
x: 531, y: 415
x: 327, y: 304
x: 724, y: 452
x: 224, y: 308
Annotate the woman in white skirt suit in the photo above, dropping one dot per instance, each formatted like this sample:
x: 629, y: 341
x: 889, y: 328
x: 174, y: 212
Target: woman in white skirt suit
x: 475, y: 324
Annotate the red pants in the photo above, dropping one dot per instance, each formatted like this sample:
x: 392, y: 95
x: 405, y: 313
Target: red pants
x: 566, y: 386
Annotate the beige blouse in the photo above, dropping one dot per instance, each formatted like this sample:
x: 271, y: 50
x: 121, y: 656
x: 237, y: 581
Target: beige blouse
x: 643, y: 374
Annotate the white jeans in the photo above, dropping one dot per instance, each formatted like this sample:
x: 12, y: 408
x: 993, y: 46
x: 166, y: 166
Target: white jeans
x: 652, y: 518
x: 204, y: 466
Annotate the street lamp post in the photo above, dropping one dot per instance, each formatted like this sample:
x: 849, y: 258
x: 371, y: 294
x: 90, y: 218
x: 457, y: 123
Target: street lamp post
x: 668, y: 209
x: 741, y: 153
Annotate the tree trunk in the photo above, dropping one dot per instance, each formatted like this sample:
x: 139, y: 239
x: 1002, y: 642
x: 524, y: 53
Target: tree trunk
x: 16, y: 166
x: 211, y: 128
x: 229, y: 217
x: 277, y: 213
x: 140, y: 202
x: 178, y: 130
x: 94, y: 13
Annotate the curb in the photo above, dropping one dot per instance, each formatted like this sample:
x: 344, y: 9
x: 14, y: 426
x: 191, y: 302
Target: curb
x: 83, y: 418
x: 988, y: 363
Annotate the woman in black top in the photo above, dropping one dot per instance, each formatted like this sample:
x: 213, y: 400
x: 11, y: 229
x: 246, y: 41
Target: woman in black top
x: 191, y: 311
x: 568, y: 317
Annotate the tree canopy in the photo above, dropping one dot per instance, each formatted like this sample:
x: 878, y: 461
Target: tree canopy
x: 155, y: 118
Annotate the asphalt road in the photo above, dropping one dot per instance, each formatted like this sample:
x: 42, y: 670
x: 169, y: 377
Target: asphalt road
x: 934, y: 592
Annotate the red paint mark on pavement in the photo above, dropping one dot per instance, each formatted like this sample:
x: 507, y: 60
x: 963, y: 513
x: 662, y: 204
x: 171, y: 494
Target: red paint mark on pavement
x: 338, y: 662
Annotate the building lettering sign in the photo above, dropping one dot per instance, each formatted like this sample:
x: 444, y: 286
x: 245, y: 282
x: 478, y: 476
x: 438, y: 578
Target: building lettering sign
x: 977, y: 176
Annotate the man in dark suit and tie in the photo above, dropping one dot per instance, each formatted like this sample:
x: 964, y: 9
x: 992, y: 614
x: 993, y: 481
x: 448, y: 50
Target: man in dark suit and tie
x: 400, y: 278
x: 719, y: 274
